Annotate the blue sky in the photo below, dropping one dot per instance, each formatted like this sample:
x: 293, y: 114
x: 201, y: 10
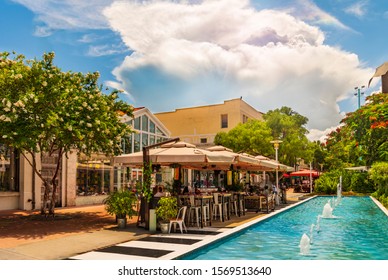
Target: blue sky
x: 305, y: 54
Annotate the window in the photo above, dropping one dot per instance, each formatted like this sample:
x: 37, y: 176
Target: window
x: 224, y: 121
x: 245, y: 119
x: 9, y: 165
x: 137, y: 123
x: 136, y: 143
x: 152, y: 127
x: 203, y: 140
x: 152, y: 139
x: 127, y: 144
x: 144, y: 140
x: 159, y: 131
x: 144, y: 123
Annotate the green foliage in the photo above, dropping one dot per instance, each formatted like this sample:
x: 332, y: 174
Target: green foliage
x: 288, y: 126
x: 328, y: 181
x: 121, y: 203
x: 44, y: 110
x: 252, y: 137
x: 167, y: 208
x: 147, y: 181
x: 352, y: 181
x: 362, y: 138
x: 361, y: 183
x: 379, y: 175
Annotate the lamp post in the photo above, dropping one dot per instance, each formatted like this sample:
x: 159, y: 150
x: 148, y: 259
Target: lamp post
x: 276, y: 146
x: 358, y: 94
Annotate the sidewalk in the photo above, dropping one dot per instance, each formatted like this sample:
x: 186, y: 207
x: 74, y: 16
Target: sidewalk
x: 25, y: 235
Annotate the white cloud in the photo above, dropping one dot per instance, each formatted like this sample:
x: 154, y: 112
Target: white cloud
x: 309, y: 11
x: 269, y: 57
x: 357, y: 9
x: 107, y: 49
x: 67, y: 14
x: 320, y: 135
x: 214, y: 50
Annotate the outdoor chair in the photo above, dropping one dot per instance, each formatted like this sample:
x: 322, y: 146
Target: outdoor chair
x: 233, y: 204
x: 217, y: 206
x: 179, y: 220
x: 194, y: 210
x: 205, y: 212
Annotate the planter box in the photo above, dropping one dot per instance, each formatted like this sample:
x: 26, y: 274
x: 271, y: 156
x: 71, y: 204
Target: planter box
x: 90, y: 200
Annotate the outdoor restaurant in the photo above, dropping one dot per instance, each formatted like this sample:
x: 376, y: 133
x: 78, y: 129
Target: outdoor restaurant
x: 210, y: 184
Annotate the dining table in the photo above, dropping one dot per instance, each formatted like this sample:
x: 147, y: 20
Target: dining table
x: 255, y: 202
x: 201, y: 200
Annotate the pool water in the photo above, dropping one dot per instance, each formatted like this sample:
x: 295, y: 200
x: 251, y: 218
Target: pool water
x: 358, y: 231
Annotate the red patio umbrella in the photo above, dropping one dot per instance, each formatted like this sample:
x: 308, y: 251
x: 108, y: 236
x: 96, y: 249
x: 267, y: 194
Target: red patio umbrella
x: 305, y: 172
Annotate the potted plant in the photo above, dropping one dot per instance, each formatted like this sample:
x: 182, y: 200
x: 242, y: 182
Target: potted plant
x: 166, y: 210
x: 122, y: 204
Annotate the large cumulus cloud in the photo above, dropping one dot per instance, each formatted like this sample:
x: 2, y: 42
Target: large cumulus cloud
x: 269, y: 57
x: 192, y: 52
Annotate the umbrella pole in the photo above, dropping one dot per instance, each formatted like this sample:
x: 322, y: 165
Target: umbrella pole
x: 146, y: 164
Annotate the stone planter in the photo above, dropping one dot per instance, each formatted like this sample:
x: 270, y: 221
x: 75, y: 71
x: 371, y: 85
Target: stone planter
x: 164, y: 227
x: 121, y: 223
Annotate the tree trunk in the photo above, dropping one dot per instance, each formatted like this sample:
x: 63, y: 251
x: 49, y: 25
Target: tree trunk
x: 48, y: 205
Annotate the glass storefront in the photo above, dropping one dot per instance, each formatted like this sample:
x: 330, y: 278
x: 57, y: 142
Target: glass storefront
x: 93, y: 178
x: 9, y: 166
x: 148, y: 133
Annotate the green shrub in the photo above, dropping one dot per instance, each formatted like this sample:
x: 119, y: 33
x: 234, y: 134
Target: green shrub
x: 121, y: 203
x: 328, y: 181
x: 361, y: 183
x: 379, y: 176
x: 167, y: 208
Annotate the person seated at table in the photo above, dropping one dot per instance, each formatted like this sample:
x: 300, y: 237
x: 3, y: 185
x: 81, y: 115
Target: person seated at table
x: 160, y: 192
x: 197, y: 191
x: 186, y: 190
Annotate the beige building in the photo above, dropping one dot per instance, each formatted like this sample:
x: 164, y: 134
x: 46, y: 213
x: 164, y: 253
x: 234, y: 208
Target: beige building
x: 199, y: 125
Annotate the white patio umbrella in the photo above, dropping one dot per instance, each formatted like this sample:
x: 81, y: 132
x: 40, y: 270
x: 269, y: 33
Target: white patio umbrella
x: 185, y: 154
x: 272, y: 165
x: 241, y: 161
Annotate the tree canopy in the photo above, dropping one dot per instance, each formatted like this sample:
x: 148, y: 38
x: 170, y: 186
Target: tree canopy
x: 44, y: 110
x: 362, y: 138
x: 255, y: 136
x: 289, y: 127
x: 252, y: 137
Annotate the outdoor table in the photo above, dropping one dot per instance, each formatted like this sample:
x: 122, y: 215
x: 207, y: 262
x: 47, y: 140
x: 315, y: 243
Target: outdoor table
x: 255, y: 202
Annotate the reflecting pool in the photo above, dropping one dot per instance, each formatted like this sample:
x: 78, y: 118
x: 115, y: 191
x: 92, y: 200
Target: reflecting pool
x: 356, y: 230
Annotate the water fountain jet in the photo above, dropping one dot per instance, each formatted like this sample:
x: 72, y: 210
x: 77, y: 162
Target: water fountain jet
x: 327, y: 211
x: 304, y: 245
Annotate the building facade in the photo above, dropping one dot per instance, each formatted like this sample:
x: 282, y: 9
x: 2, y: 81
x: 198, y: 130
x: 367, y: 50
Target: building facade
x: 199, y: 125
x: 81, y: 180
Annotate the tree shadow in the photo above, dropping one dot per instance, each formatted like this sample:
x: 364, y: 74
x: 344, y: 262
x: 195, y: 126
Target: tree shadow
x: 37, y: 226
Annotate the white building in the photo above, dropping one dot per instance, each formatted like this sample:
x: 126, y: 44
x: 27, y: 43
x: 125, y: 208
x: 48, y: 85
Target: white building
x: 82, y: 181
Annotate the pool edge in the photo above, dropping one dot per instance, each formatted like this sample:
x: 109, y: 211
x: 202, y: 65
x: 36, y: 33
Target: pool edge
x: 378, y: 203
x: 211, y: 239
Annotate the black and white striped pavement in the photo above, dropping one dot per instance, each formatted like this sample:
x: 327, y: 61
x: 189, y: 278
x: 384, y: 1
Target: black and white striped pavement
x: 155, y: 247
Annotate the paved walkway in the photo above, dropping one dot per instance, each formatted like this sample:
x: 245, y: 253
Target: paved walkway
x: 130, y: 243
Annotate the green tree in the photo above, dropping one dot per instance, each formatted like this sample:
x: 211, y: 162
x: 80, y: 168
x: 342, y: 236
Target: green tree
x: 289, y: 127
x: 362, y: 138
x: 252, y: 137
x: 45, y: 111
